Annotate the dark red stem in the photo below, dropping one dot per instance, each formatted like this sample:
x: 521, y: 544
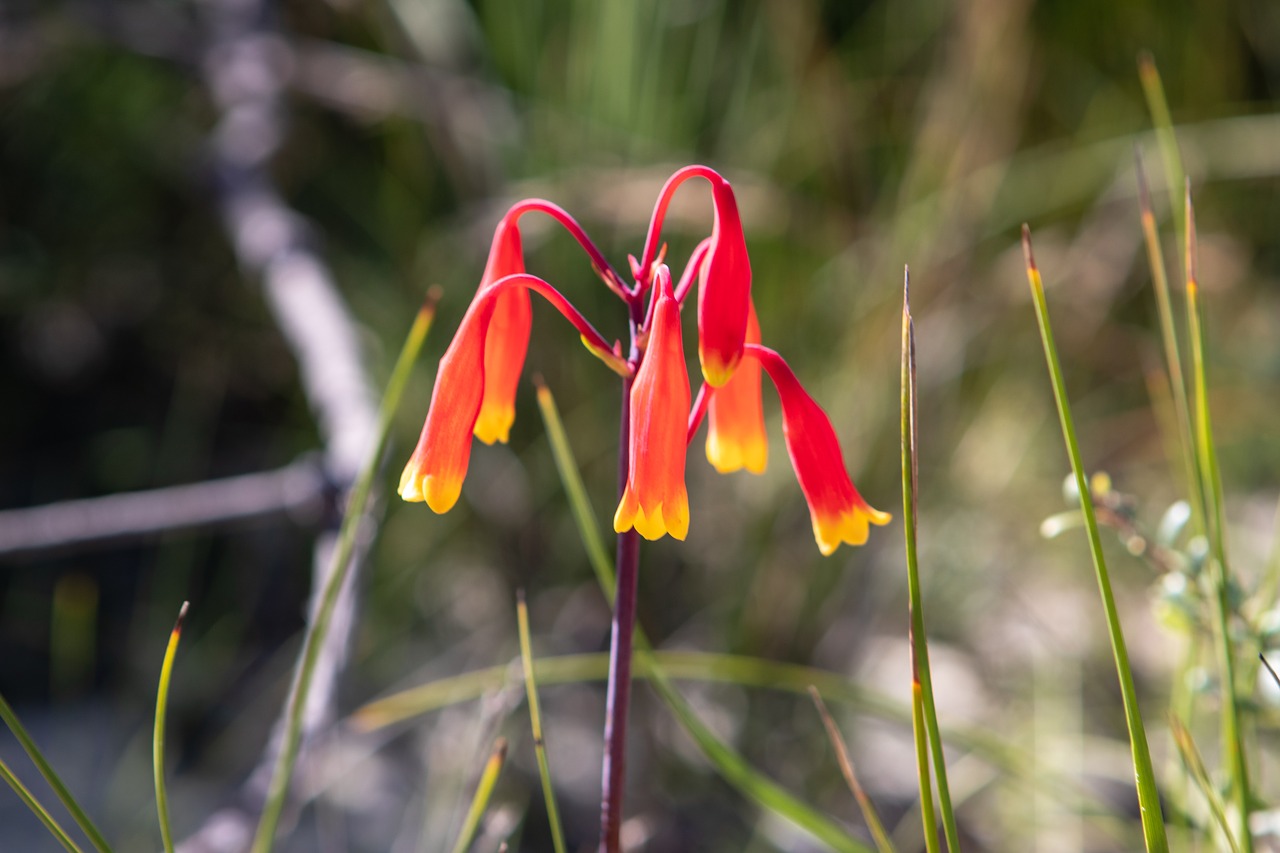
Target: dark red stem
x: 614, y: 771
x: 559, y: 214
x: 660, y: 213
x: 531, y: 282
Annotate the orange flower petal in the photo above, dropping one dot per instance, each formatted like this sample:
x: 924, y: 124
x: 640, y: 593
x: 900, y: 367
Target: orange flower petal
x: 724, y: 291
x: 439, y: 463
x: 507, y: 341
x: 838, y: 512
x: 654, y: 501
x: 736, y: 436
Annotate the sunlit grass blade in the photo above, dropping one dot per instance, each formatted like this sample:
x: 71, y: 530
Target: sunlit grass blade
x: 51, y: 777
x: 157, y: 748
x: 535, y: 719
x: 1172, y: 350
x: 282, y: 773
x: 924, y: 712
x: 480, y: 802
x: 584, y: 516
x: 1158, y: 105
x: 1153, y: 831
x: 728, y: 762
x: 1195, y: 766
x: 735, y: 770
x: 869, y: 814
x: 1233, y: 747
x: 742, y: 671
x: 32, y: 803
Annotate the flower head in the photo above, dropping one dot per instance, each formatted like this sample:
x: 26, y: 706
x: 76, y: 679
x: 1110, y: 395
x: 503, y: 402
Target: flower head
x: 654, y: 501
x: 838, y: 512
x: 724, y: 291
x: 507, y: 339
x: 439, y: 463
x: 735, y: 416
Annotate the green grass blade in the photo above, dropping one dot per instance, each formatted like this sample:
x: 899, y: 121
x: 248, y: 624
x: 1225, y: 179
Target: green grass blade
x: 735, y: 770
x: 739, y: 670
x: 484, y: 790
x: 1195, y: 766
x: 729, y: 763
x: 869, y: 814
x: 1172, y: 350
x: 535, y: 720
x: 579, y: 504
x: 1153, y: 831
x: 157, y: 748
x: 1153, y: 91
x: 51, y: 777
x: 319, y: 628
x: 1233, y: 747
x: 924, y: 712
x: 32, y: 803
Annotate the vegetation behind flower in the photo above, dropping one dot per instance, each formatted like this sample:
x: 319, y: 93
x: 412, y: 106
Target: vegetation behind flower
x: 856, y: 141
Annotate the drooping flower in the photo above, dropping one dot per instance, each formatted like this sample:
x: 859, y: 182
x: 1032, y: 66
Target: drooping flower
x: 507, y: 340
x: 736, y: 437
x: 724, y: 290
x: 838, y: 512
x: 654, y: 501
x: 439, y: 463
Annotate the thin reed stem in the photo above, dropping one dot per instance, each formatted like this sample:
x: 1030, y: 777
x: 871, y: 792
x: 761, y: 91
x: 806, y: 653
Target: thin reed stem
x: 37, y: 809
x: 51, y: 777
x: 313, y: 642
x: 1211, y: 487
x: 157, y: 749
x: 924, y: 717
x: 1153, y: 831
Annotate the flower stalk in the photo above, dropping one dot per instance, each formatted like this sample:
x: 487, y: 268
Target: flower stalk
x: 474, y: 396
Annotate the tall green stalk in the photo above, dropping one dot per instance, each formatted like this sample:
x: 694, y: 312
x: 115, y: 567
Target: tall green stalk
x: 1153, y: 831
x: 1211, y: 486
x: 51, y: 777
x: 535, y: 722
x: 37, y: 809
x: 924, y: 716
x: 278, y: 791
x: 157, y: 748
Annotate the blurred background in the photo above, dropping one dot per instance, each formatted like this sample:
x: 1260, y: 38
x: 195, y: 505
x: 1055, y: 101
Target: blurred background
x: 169, y: 169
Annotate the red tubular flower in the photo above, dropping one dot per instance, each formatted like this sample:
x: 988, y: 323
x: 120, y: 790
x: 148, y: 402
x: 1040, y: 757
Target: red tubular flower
x: 439, y: 463
x: 507, y: 341
x: 735, y: 416
x: 724, y: 291
x: 838, y: 512
x: 654, y: 501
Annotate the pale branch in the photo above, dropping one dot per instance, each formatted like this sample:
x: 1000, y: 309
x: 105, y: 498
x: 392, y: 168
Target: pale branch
x: 300, y: 490
x: 245, y: 68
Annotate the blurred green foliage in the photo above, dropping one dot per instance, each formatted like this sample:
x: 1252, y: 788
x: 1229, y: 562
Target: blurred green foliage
x: 860, y: 136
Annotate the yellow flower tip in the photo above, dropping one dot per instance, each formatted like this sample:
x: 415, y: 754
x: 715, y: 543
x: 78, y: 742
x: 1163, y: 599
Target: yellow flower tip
x: 727, y: 456
x: 671, y: 519
x: 441, y: 493
x: 715, y: 369
x: 494, y: 423
x: 410, y: 488
x: 849, y: 527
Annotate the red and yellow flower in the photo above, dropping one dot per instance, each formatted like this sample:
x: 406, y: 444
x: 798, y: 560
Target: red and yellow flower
x: 838, y: 512
x: 476, y: 383
x: 654, y: 500
x: 507, y: 339
x: 735, y: 416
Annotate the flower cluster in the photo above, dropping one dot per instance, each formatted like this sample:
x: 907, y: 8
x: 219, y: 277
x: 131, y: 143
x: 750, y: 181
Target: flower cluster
x: 476, y: 383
